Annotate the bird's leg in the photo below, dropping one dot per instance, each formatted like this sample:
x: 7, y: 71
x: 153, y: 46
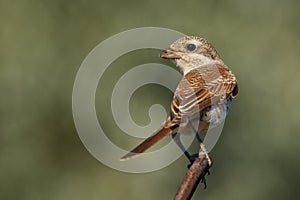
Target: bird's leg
x: 202, y: 146
x: 176, y: 138
x: 201, y: 152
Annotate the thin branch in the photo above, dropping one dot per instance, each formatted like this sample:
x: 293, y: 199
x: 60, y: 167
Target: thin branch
x: 195, y: 174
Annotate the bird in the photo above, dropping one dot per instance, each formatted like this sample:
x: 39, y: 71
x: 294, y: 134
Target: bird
x: 202, y: 98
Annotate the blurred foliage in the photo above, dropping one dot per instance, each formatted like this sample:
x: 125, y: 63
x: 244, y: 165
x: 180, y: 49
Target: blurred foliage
x: 42, y: 46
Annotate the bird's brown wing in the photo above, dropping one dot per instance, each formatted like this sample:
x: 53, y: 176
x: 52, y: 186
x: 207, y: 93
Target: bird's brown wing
x: 201, y: 88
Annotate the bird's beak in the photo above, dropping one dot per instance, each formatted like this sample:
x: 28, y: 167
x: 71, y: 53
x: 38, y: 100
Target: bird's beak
x: 169, y: 54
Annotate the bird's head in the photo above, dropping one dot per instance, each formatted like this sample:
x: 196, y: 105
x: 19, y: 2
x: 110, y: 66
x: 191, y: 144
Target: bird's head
x: 191, y: 52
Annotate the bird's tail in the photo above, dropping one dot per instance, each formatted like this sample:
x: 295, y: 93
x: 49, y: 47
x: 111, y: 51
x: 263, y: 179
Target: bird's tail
x: 150, y: 141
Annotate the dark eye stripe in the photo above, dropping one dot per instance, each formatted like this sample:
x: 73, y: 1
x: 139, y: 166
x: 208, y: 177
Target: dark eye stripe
x: 191, y: 47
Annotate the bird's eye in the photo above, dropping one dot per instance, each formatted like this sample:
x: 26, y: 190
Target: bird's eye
x: 191, y: 47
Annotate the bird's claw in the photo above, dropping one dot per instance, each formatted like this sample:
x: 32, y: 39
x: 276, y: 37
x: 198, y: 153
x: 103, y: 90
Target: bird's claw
x: 203, y: 180
x: 206, y: 171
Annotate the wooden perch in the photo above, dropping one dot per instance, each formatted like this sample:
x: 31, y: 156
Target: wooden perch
x: 195, y: 174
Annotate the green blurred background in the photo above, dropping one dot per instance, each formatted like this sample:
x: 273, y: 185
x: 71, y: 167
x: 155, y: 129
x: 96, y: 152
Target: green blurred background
x: 42, y: 44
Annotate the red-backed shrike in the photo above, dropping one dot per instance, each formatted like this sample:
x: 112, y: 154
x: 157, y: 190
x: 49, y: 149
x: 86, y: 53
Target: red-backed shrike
x: 204, y: 94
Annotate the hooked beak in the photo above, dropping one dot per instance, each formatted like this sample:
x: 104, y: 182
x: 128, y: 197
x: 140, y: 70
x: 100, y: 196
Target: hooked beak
x: 169, y: 54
